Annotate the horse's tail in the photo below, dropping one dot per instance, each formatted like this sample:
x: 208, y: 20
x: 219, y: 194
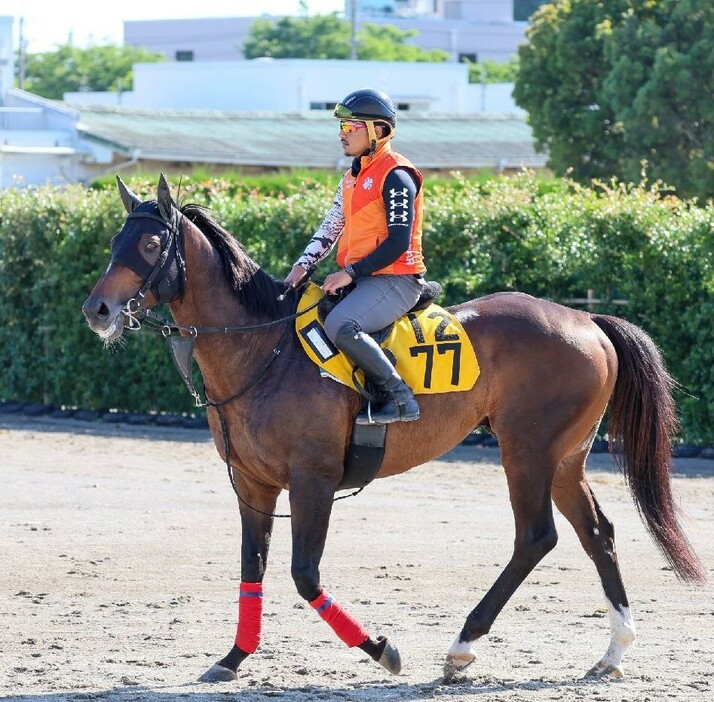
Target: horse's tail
x: 643, y: 421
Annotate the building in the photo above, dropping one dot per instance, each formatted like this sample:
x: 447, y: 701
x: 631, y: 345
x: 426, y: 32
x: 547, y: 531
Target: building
x: 467, y: 29
x: 39, y: 142
x: 250, y: 115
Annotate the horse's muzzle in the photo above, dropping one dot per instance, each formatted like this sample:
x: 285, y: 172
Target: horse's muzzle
x: 105, y: 320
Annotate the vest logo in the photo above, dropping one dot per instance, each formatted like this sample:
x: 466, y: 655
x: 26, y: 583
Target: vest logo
x: 368, y: 183
x: 398, y: 211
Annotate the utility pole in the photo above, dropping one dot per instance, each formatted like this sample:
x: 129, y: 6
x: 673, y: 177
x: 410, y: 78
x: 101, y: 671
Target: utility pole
x: 21, y: 58
x: 353, y: 24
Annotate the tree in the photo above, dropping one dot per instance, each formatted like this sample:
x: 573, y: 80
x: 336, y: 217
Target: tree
x: 386, y: 42
x: 489, y: 71
x: 562, y: 68
x: 660, y: 85
x: 612, y: 85
x: 318, y: 37
x: 100, y: 68
x: 328, y: 37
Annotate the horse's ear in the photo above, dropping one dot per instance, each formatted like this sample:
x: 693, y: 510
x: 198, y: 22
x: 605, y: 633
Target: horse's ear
x: 129, y: 200
x: 166, y: 204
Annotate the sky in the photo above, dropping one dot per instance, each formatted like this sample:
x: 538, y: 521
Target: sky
x: 47, y: 25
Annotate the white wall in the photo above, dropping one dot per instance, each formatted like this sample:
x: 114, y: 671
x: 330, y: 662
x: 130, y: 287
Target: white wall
x: 487, y: 10
x: 292, y: 85
x: 7, y: 65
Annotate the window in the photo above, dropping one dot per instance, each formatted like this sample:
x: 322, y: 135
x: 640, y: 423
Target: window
x: 184, y: 55
x: 468, y: 58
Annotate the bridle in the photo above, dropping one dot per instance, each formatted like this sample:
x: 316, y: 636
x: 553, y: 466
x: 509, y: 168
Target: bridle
x: 171, y: 262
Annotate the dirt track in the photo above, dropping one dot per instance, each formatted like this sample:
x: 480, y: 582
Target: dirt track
x: 120, y: 550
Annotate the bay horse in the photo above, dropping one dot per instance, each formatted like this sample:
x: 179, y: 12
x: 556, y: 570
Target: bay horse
x: 548, y: 373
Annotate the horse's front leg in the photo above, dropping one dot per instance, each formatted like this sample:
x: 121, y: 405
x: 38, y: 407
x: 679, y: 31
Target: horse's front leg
x: 257, y: 506
x: 310, y: 506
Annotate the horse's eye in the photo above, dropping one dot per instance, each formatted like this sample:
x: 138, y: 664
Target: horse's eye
x: 151, y: 247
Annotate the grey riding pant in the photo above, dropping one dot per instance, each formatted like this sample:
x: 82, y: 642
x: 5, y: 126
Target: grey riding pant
x: 375, y: 302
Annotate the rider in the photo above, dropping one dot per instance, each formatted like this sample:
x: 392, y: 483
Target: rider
x: 376, y: 219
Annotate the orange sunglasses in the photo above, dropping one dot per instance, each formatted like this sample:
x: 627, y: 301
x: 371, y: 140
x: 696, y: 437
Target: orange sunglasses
x: 348, y: 126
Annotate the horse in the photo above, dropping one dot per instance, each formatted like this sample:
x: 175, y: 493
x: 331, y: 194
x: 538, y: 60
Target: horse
x: 548, y: 373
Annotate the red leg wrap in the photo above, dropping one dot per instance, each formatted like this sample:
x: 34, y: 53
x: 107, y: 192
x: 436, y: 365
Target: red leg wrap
x: 342, y: 623
x: 250, y: 610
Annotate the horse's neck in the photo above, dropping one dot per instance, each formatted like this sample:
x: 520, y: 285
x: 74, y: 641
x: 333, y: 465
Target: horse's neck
x: 226, y: 360
x: 208, y: 299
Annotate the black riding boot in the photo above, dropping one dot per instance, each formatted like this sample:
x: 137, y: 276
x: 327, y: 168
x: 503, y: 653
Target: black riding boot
x: 365, y: 352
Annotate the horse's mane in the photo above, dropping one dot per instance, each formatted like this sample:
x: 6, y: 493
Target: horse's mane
x: 256, y: 290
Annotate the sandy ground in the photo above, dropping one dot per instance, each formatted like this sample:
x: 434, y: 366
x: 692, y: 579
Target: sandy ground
x: 120, y: 549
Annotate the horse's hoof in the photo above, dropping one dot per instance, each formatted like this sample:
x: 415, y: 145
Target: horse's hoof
x: 605, y: 670
x: 457, y: 663
x: 217, y: 673
x: 390, y: 658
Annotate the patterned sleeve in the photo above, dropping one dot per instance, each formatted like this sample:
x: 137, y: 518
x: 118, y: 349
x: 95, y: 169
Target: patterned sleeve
x: 327, y: 234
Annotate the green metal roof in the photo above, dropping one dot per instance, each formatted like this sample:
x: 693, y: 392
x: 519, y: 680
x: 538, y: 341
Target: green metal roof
x: 307, y: 139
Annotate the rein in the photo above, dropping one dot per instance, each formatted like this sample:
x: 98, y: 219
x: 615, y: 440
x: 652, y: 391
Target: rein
x: 152, y: 319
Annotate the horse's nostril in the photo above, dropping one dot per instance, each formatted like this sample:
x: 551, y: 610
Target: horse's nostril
x: 94, y: 309
x: 103, y: 311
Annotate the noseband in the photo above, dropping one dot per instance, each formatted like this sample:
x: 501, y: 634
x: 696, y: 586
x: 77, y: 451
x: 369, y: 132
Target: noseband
x: 167, y: 278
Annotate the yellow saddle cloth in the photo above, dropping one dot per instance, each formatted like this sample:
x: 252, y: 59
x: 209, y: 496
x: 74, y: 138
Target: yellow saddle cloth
x: 429, y: 349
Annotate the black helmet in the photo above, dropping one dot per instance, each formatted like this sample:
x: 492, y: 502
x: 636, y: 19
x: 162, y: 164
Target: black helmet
x: 367, y: 105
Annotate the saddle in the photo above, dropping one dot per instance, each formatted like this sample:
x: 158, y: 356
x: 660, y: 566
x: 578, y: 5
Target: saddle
x: 430, y: 291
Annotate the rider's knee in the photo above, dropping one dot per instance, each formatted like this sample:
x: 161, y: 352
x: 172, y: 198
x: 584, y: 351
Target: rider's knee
x: 344, y: 331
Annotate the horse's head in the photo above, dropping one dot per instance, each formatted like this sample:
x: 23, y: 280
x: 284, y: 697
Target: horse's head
x: 146, y: 266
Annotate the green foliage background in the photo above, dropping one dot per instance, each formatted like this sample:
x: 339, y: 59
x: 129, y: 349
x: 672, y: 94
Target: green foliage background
x: 330, y: 37
x: 611, y: 84
x: 550, y: 238
x: 98, y: 68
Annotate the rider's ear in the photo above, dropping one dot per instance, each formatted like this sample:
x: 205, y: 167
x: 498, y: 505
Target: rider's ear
x: 129, y: 200
x: 166, y: 204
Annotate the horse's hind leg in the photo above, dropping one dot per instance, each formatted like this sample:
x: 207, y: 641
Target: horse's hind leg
x: 529, y: 483
x: 257, y: 505
x: 575, y: 500
x: 310, y: 507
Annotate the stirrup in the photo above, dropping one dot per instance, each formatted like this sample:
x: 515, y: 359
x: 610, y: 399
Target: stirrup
x: 365, y: 417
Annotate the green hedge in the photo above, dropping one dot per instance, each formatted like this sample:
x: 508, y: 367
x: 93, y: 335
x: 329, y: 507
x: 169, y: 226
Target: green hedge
x: 549, y: 238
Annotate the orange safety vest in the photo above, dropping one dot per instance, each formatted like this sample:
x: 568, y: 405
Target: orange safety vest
x: 366, y: 214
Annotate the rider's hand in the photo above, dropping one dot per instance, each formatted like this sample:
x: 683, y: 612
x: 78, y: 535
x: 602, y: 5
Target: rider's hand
x: 335, y: 281
x: 295, y: 276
